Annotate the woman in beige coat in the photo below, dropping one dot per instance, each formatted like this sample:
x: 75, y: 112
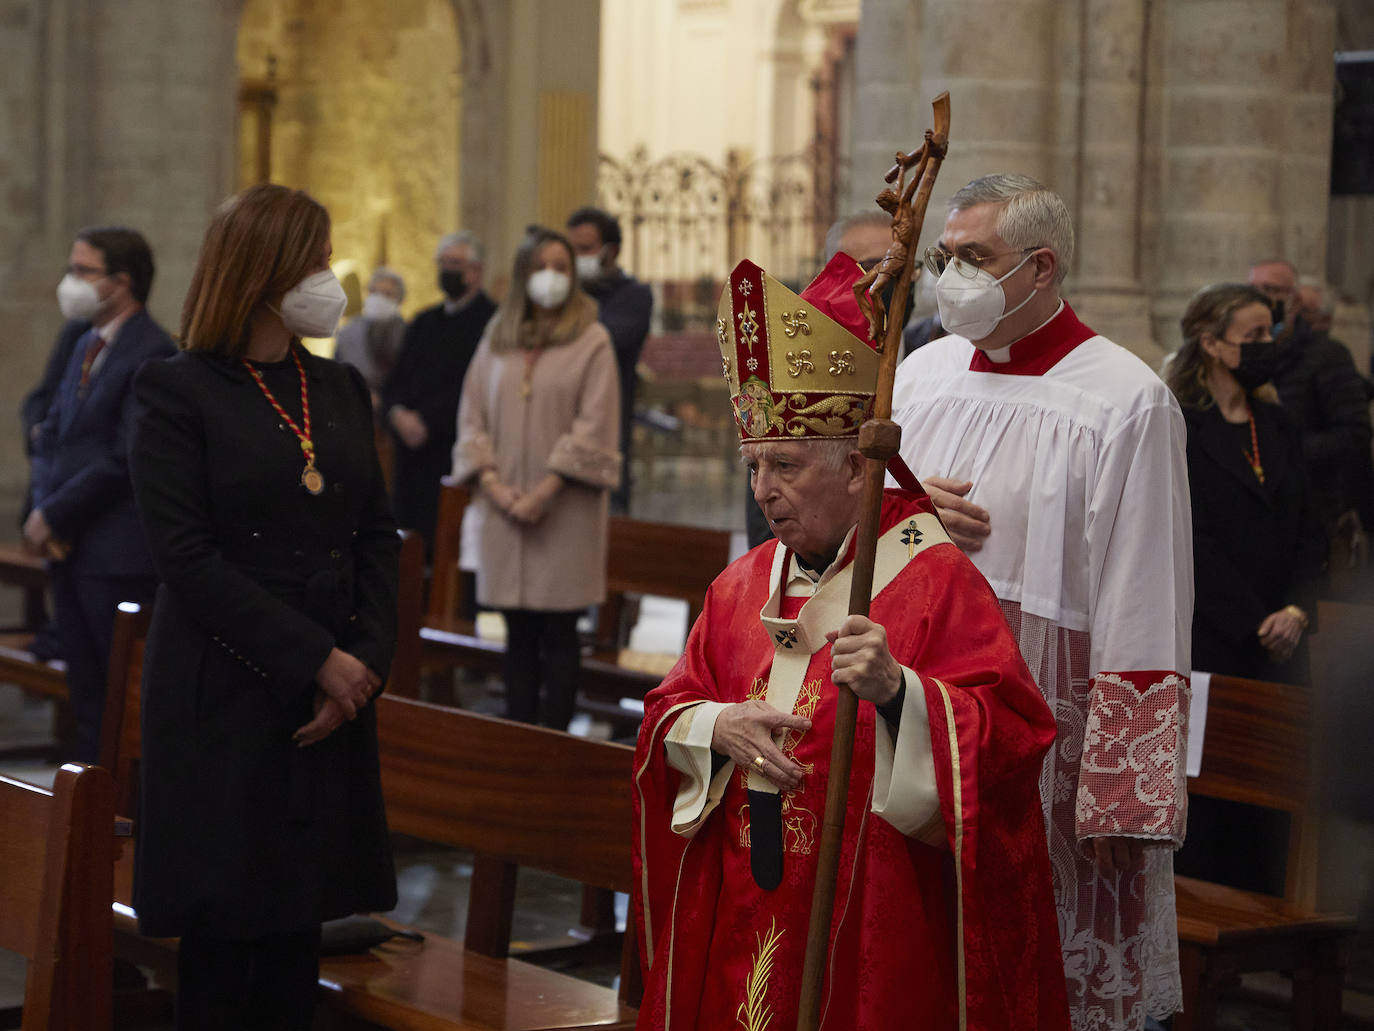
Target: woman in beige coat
x: 538, y: 429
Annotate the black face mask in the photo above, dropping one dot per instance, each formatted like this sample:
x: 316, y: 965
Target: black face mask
x: 452, y: 283
x: 1256, y: 365
x: 1276, y: 307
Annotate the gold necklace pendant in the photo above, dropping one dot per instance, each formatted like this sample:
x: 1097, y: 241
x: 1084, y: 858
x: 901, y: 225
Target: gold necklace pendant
x: 312, y: 479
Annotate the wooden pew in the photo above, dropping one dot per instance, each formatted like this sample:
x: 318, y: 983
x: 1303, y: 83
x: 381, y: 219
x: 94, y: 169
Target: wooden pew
x: 18, y: 664
x: 27, y: 572
x: 642, y: 558
x: 1257, y: 749
x: 56, y: 862
x: 516, y: 795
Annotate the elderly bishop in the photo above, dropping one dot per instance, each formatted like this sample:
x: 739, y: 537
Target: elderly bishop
x: 944, y: 915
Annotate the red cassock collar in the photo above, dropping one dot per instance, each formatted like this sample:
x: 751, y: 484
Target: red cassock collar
x: 1037, y: 353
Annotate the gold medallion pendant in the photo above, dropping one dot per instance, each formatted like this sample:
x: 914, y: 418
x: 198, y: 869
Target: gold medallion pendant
x: 312, y: 480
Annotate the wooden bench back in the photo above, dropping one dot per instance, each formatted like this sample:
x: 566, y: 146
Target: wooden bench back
x: 445, y: 582
x: 665, y: 559
x: 531, y: 796
x: 56, y: 882
x: 410, y: 604
x: 514, y: 794
x: 121, y: 743
x: 1257, y: 749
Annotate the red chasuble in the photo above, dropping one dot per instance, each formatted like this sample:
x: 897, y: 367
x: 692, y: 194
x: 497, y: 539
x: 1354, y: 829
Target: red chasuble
x: 949, y: 926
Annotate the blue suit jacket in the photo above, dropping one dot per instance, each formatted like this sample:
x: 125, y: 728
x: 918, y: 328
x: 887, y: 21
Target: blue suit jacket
x: 81, y: 468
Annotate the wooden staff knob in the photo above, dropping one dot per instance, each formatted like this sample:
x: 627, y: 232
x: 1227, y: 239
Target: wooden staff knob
x: 880, y: 439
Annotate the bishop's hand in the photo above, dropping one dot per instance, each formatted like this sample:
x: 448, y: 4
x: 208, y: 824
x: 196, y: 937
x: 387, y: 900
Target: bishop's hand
x: 861, y: 660
x: 744, y: 732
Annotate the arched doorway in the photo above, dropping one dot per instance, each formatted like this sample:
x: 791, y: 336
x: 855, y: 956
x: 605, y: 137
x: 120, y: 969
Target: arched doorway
x: 359, y: 103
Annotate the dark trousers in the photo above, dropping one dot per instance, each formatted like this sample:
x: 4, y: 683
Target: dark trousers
x: 265, y: 984
x: 541, y: 647
x: 84, y: 608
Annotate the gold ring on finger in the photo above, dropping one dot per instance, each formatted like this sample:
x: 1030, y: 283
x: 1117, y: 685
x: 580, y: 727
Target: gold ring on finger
x: 758, y: 763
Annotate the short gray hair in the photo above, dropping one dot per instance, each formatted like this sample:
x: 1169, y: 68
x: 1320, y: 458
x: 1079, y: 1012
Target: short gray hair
x: 1032, y: 214
x: 835, y: 233
x: 461, y: 237
x: 390, y: 275
x: 832, y: 452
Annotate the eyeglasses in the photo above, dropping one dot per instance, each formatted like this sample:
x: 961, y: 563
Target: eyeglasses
x: 937, y: 259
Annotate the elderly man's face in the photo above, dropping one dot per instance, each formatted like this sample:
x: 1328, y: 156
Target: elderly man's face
x: 809, y: 505
x: 1276, y: 280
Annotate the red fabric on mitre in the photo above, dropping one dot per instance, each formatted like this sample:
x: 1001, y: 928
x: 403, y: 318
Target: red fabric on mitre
x: 892, y: 959
x: 832, y: 292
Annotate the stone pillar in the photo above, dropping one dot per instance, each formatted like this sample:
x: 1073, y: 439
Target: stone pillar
x: 1246, y: 146
x: 1103, y: 173
x: 887, y: 102
x: 552, y: 61
x: 998, y: 62
x: 117, y: 113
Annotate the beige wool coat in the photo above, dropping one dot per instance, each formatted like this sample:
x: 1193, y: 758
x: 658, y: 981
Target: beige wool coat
x: 569, y: 424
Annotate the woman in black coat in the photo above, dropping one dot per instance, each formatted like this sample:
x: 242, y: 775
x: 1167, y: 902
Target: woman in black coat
x: 1258, y: 551
x: 1258, y: 545
x: 254, y: 468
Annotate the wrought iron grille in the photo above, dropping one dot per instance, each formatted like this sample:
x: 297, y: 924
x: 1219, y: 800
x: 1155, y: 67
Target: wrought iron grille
x: 687, y: 221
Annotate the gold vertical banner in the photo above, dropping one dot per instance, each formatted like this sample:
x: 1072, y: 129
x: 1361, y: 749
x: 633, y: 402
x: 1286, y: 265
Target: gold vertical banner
x: 567, y: 154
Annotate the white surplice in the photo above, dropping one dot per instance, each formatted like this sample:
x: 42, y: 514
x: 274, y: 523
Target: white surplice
x: 1077, y: 451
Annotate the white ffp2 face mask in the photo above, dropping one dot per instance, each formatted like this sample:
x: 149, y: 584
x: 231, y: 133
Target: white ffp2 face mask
x: 589, y: 266
x: 973, y: 307
x: 380, y: 308
x: 78, y: 298
x: 548, y: 287
x: 313, y: 307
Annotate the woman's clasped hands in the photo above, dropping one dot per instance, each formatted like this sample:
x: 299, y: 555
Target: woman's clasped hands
x: 344, y: 685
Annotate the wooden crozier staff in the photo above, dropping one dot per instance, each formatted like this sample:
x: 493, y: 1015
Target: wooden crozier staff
x: 879, y: 440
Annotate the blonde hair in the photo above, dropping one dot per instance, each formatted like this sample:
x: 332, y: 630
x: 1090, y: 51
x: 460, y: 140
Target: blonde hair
x: 519, y: 323
x: 1209, y: 313
x: 260, y: 244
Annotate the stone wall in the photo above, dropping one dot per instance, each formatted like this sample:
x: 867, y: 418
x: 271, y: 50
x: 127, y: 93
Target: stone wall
x: 108, y: 113
x: 1187, y: 136
x: 367, y: 121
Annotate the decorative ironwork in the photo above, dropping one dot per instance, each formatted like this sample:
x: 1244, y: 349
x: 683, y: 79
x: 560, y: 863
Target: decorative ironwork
x: 688, y: 220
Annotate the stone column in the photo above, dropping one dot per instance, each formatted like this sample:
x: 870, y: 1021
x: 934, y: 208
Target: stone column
x: 117, y: 113
x: 887, y: 108
x: 1241, y: 178
x: 552, y: 57
x: 997, y: 59
x: 1103, y: 173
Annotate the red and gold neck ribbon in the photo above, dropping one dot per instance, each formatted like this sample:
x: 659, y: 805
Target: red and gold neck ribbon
x: 310, y: 478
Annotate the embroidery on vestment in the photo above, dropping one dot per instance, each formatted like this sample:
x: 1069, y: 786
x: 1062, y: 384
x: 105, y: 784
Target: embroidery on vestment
x: 754, y: 1013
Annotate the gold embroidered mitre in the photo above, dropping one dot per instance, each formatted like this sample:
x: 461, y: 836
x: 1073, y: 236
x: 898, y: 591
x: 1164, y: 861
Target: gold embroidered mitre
x: 797, y: 366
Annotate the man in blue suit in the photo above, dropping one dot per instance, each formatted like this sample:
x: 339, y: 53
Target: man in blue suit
x: 83, y: 517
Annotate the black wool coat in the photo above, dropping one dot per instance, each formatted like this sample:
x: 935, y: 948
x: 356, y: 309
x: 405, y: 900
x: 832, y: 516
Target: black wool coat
x: 242, y: 833
x: 435, y: 354
x: 1256, y: 547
